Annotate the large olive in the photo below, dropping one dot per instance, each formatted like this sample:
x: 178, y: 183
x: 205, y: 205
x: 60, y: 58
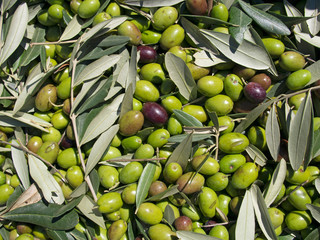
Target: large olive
x: 208, y: 201
x: 245, y: 175
x: 190, y: 182
x: 233, y: 143
x: 149, y: 213
x: 46, y: 97
x: 130, y: 123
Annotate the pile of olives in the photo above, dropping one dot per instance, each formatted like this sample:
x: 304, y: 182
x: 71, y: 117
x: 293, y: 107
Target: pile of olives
x: 204, y: 194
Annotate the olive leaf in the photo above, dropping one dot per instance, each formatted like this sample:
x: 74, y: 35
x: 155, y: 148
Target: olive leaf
x: 20, y: 165
x: 265, y: 20
x: 186, y: 119
x: 72, y: 29
x: 262, y: 214
x: 7, y: 4
x: 315, y: 72
x: 88, y: 207
x: 274, y: 186
x: 315, y: 211
x: 187, y: 235
x: 182, y: 152
x: 103, y: 120
x: 317, y: 184
x: 43, y: 215
x: 170, y: 191
x: 33, y: 51
x: 96, y: 68
x: 57, y: 235
x: 51, y: 190
x: 273, y: 133
x: 195, y: 137
x: 168, y: 214
x: 313, y: 40
x: 207, y: 59
x: 239, y: 18
x: 299, y: 132
x: 247, y: 53
x: 99, y: 147
x: 314, y: 235
x: 144, y: 182
x: 316, y: 143
x: 312, y: 9
x: 252, y: 116
x: 16, y: 32
x: 181, y: 76
x: 68, y: 207
x: 152, y: 3
x: 245, y: 226
x: 197, y: 37
x: 256, y: 155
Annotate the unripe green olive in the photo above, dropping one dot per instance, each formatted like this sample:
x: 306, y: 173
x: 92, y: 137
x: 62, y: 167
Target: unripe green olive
x: 60, y: 120
x: 130, y: 30
x: 45, y: 97
x: 150, y: 37
x: 130, y: 123
x: 221, y: 104
x: 113, y: 9
x: 88, y: 8
x: 68, y: 157
x: 209, y: 167
x: 190, y: 182
x: 149, y: 213
x: 172, y: 36
x: 210, y: 86
x: 6, y: 191
x: 109, y: 176
x: 145, y: 151
x: 245, y: 175
x: 160, y: 232
x: 291, y: 61
x: 53, y: 135
x: 49, y: 151
x: 146, y: 91
x: 257, y: 137
x: 131, y: 173
x: 172, y: 172
x: 164, y: 17
x: 297, y: 177
x: 217, y: 181
x: 174, y: 127
x: 34, y: 144
x: 298, y: 79
x: 274, y: 46
x: 100, y: 17
x: 208, y: 201
x: 158, y: 138
x: 110, y: 202
x: 196, y: 111
x: 298, y: 220
x: 299, y: 198
x: 233, y: 87
x: 152, y: 72
x: 233, y: 143
x: 220, y: 11
x: 117, y: 230
x: 220, y: 232
x: 74, y: 176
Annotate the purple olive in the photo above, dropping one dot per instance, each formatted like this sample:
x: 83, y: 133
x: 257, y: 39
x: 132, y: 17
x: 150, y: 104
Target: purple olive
x: 155, y: 113
x: 147, y: 54
x: 263, y: 79
x: 254, y: 92
x: 183, y: 223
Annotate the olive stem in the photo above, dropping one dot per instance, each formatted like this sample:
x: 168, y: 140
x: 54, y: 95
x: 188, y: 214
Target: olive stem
x: 287, y: 196
x: 52, y: 43
x: 8, y: 98
x: 25, y: 149
x: 74, y: 126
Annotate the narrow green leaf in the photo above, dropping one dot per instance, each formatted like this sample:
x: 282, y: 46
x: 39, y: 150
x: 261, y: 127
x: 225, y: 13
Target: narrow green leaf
x: 309, y: 144
x: 152, y: 3
x: 245, y: 225
x: 316, y: 143
x: 96, y: 68
x: 317, y: 184
x: 141, y: 229
x: 181, y: 76
x: 262, y: 214
x: 20, y: 165
x: 206, y: 20
x: 274, y: 186
x: 265, y: 20
x: 127, y: 105
x: 246, y: 54
x: 33, y: 52
x: 72, y: 29
x: 168, y: 214
x: 312, y: 9
x: 103, y: 120
x: 7, y: 4
x: 315, y: 211
x: 197, y: 37
x: 42, y: 215
x: 182, y: 152
x: 170, y: 191
x: 252, y: 116
x: 314, y: 235
x: 195, y: 137
x: 187, y: 235
x: 113, y: 40
x: 315, y: 72
x: 256, y: 155
x: 51, y: 190
x: 144, y: 182
x: 16, y: 32
x: 89, y: 208
x: 292, y: 20
x: 57, y: 235
x: 206, y: 59
x: 80, y: 191
x: 4, y: 233
x: 273, y: 133
x: 186, y: 119
x: 239, y: 18
x: 68, y: 207
x: 214, y: 118
x: 299, y: 132
x: 100, y: 147
x: 313, y: 40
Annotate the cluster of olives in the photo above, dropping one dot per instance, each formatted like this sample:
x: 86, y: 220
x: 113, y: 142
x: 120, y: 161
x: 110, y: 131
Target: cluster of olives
x: 215, y: 185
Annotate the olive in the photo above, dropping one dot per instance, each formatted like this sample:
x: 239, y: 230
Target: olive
x: 130, y: 144
x: 210, y: 86
x: 298, y: 79
x: 208, y: 201
x: 220, y: 232
x: 233, y: 87
x: 149, y: 213
x: 276, y: 216
x: 197, y: 72
x: 274, y: 46
x: 130, y: 123
x: 298, y: 220
x: 53, y: 135
x: 46, y: 97
x: 160, y: 232
x: 110, y: 202
x: 146, y: 91
x: 68, y: 157
x: 171, y: 103
x: 117, y: 230
x: 183, y: 223
x: 147, y: 54
x: 298, y: 198
x: 196, y: 111
x: 158, y: 138
x: 209, y: 167
x: 217, y: 181
x: 100, y: 17
x: 172, y: 36
x: 49, y: 151
x: 131, y: 173
x: 164, y: 17
x: 145, y: 151
x: 297, y: 177
x: 113, y: 9
x: 109, y: 176
x: 150, y: 37
x: 130, y: 30
x: 34, y: 144
x: 155, y: 113
x: 221, y: 104
x: 254, y: 92
x: 263, y: 79
x: 88, y: 8
x: 245, y: 175
x: 291, y: 61
x: 190, y: 182
x: 197, y: 7
x: 257, y: 137
x: 156, y: 187
x: 220, y: 11
x: 74, y: 176
x: 129, y: 194
x: 243, y: 72
x: 233, y: 143
x: 172, y: 172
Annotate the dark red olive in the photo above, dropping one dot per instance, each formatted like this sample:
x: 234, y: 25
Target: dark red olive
x: 155, y: 113
x: 183, y: 223
x: 66, y: 143
x: 243, y: 106
x: 254, y: 92
x: 147, y: 54
x: 263, y: 79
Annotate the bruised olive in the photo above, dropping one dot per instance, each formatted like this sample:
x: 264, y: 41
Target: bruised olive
x: 130, y: 123
x: 130, y: 30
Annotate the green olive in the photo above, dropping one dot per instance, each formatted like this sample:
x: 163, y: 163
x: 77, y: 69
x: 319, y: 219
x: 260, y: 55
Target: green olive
x: 74, y: 176
x: 221, y: 104
x: 6, y: 191
x: 131, y: 173
x: 245, y: 175
x: 164, y: 17
x: 210, y: 86
x: 298, y: 79
x: 196, y: 111
x: 109, y: 176
x: 233, y: 143
x: 88, y: 8
x: 172, y: 36
x: 149, y: 213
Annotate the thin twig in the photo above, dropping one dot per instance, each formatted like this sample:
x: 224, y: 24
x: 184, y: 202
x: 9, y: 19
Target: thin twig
x: 217, y: 224
x: 135, y: 160
x: 26, y: 150
x: 74, y: 126
x: 52, y: 43
x: 8, y: 98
